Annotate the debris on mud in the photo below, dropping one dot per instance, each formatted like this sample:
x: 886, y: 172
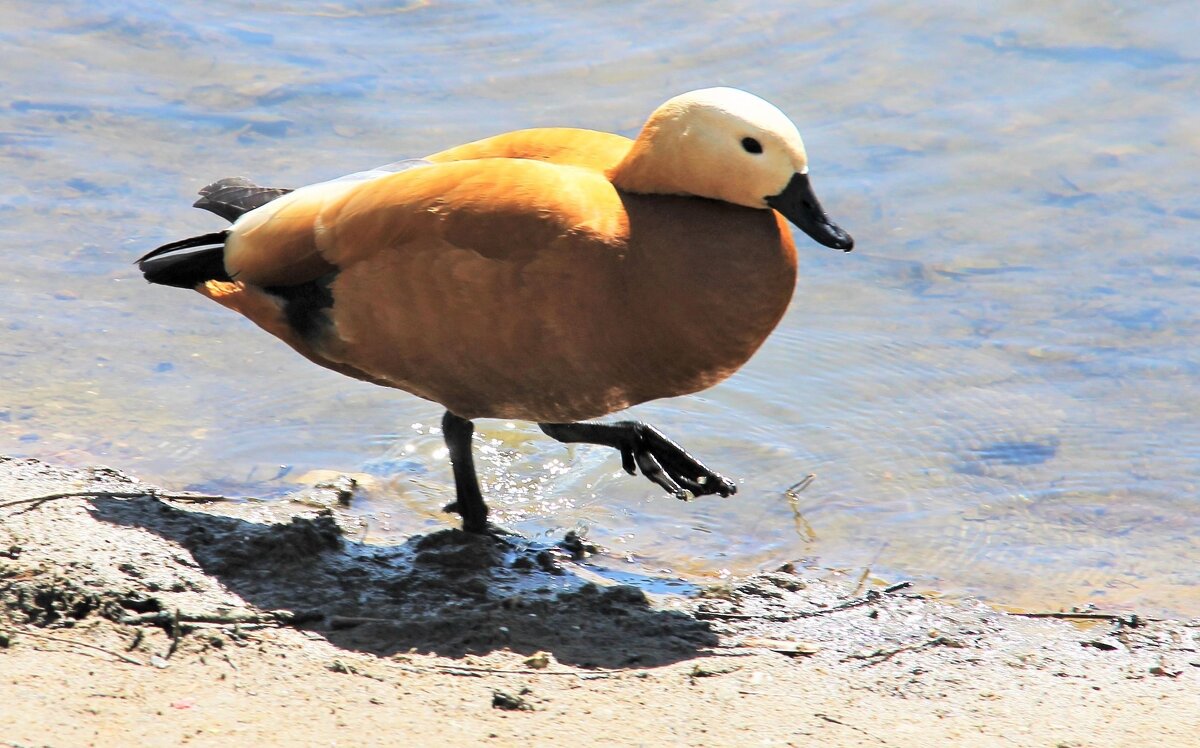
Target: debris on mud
x: 448, y: 592
x: 134, y: 579
x: 511, y: 702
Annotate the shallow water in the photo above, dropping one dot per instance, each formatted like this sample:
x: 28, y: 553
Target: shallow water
x: 997, y: 390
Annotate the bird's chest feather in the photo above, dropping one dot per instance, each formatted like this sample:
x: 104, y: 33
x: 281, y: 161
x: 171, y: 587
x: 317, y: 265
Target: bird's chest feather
x: 709, y: 282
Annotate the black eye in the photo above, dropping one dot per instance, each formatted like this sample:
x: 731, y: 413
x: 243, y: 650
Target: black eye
x: 751, y: 145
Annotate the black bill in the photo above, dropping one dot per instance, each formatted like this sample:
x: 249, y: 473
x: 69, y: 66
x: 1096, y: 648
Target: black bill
x: 799, y: 205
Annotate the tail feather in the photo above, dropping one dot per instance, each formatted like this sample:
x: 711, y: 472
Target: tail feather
x: 187, y: 263
x: 232, y: 197
x: 191, y: 262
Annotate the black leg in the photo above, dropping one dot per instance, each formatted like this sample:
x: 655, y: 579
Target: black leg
x: 457, y: 432
x: 644, y: 447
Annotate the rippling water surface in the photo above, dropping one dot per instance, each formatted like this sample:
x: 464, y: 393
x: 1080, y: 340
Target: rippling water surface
x: 997, y: 391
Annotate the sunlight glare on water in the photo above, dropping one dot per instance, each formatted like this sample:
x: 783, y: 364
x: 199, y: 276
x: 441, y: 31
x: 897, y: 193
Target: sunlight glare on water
x: 997, y: 390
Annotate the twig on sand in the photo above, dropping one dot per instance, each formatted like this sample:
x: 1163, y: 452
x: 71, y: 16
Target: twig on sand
x: 37, y: 501
x: 1132, y: 620
x: 883, y: 655
x: 176, y: 634
x: 707, y: 615
x: 870, y: 597
x: 836, y: 721
x: 172, y: 619
x: 61, y: 640
x: 470, y: 670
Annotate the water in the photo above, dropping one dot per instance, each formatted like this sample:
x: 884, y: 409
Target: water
x: 997, y: 390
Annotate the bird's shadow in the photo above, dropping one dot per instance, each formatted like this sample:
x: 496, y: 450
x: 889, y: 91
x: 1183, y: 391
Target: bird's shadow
x: 446, y: 593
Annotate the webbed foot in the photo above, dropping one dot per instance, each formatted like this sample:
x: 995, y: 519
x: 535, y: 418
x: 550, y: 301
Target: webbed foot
x: 645, y: 448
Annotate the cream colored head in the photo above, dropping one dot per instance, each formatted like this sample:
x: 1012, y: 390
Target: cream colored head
x: 726, y: 144
x: 721, y: 143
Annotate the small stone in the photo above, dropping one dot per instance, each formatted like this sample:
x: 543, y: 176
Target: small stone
x: 539, y: 660
x: 1164, y: 670
x: 509, y: 702
x: 548, y: 563
x: 342, y: 487
x: 1103, y: 643
x: 577, y: 546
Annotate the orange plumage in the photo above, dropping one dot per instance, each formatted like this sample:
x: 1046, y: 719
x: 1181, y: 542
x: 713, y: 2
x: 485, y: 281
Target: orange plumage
x: 551, y: 275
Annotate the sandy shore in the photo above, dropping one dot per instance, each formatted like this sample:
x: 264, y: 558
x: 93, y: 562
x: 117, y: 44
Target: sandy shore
x: 133, y: 618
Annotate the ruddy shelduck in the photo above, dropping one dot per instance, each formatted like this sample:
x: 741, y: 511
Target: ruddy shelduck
x: 549, y: 275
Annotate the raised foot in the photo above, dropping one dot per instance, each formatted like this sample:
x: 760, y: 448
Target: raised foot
x: 667, y: 464
x: 644, y: 448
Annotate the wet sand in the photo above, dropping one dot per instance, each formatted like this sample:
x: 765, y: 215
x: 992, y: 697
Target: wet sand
x: 132, y: 615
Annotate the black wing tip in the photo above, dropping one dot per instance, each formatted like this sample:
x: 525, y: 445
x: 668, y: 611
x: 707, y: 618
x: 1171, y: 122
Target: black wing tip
x: 187, y: 270
x: 233, y: 197
x: 204, y: 240
x: 186, y: 263
x: 227, y: 182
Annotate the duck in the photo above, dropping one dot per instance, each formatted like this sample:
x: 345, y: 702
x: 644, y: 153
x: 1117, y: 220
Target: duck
x: 550, y: 275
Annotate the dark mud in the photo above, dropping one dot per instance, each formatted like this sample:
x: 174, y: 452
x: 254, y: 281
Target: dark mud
x: 447, y: 593
x: 219, y: 567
